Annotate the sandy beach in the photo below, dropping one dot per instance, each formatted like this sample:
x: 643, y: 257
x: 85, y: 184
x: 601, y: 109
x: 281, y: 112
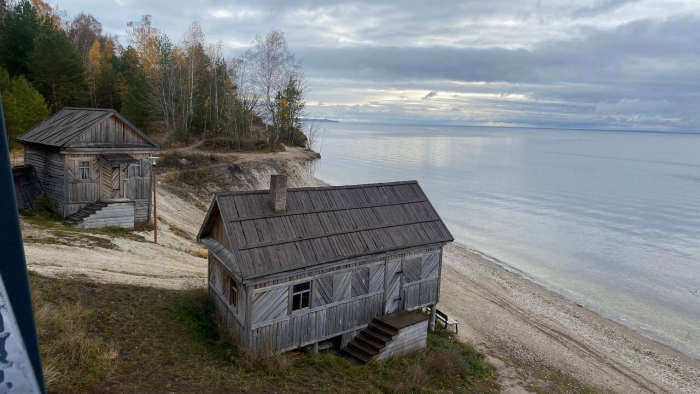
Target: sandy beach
x: 526, y: 328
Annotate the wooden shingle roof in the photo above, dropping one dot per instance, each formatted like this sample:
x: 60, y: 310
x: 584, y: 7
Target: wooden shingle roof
x: 324, y: 224
x: 68, y: 124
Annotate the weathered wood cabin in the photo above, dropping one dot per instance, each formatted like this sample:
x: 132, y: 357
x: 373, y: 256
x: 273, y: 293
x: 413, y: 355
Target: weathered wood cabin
x: 93, y: 165
x: 291, y: 268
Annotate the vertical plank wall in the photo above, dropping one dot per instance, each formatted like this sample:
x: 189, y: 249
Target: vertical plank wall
x: 233, y: 318
x: 49, y: 168
x: 345, y: 298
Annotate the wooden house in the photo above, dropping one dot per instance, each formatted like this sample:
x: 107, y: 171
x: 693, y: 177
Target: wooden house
x: 93, y: 165
x: 291, y: 268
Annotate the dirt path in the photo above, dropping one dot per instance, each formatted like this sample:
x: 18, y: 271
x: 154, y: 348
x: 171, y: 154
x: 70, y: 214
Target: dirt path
x: 532, y: 328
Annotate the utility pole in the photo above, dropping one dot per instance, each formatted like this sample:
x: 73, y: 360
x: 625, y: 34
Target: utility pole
x: 154, y: 162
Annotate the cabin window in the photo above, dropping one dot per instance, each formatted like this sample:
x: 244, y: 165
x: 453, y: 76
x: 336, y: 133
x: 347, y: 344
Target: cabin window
x: 233, y: 292
x: 134, y: 170
x: 301, y: 296
x: 84, y: 170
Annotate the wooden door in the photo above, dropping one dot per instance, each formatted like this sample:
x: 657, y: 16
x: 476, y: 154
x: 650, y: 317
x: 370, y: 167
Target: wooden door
x: 392, y: 293
x: 116, y: 181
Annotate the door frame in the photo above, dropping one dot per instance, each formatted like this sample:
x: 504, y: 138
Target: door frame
x: 399, y: 272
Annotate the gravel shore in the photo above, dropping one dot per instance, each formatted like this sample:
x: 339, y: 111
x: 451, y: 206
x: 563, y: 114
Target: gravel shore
x: 531, y: 332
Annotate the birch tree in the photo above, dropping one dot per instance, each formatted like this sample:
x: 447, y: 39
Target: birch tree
x: 272, y: 65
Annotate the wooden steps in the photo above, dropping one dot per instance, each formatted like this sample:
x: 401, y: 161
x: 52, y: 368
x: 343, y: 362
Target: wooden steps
x: 85, y: 212
x: 371, y: 342
x: 117, y: 213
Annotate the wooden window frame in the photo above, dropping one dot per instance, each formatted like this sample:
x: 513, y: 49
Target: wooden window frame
x: 88, y: 168
x: 232, y: 292
x: 300, y: 293
x: 137, y: 173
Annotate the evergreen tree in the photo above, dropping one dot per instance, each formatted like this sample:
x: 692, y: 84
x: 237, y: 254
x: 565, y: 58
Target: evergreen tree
x: 23, y: 106
x: 17, y: 35
x: 56, y: 68
x: 134, y: 103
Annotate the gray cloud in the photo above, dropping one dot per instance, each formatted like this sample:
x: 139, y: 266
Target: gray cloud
x: 588, y: 63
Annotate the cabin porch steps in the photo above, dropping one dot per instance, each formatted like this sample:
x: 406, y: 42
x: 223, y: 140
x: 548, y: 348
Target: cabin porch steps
x: 371, y: 342
x: 113, y: 213
x: 85, y: 212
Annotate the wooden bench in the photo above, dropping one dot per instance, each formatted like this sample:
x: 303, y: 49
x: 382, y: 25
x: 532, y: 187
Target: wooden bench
x: 446, y: 320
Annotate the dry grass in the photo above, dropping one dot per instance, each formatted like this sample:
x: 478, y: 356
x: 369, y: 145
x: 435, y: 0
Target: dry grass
x: 170, y: 342
x: 201, y: 253
x: 72, y: 357
x: 171, y: 177
x: 180, y: 232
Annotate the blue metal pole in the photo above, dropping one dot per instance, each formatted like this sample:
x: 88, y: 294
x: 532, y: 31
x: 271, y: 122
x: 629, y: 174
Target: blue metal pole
x: 13, y: 267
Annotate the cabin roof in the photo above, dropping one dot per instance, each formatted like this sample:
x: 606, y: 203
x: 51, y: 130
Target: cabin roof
x: 69, y: 123
x: 323, y: 225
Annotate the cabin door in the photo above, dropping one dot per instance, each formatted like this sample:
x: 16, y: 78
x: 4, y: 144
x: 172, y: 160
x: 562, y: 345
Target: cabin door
x: 116, y: 181
x: 393, y: 280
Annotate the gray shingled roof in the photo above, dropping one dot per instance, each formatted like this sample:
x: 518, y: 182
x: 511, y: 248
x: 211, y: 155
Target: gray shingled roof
x: 323, y: 225
x: 69, y: 123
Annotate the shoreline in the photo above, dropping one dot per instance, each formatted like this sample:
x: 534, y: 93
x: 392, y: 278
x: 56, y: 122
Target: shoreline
x: 526, y: 326
x: 582, y: 302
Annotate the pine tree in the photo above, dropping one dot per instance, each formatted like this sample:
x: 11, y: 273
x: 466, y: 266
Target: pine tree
x: 134, y: 103
x: 17, y: 35
x: 56, y: 68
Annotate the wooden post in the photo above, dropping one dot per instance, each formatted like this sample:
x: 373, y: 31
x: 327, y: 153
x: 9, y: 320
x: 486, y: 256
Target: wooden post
x: 316, y: 347
x: 433, y: 311
x: 155, y: 213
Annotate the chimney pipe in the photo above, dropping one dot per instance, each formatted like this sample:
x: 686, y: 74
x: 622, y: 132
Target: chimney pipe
x: 278, y: 193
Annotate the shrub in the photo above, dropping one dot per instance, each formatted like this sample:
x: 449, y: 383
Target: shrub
x: 43, y: 204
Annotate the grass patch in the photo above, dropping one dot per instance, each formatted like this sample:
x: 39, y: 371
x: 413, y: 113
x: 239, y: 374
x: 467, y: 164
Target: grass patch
x: 169, y: 341
x: 201, y: 253
x: 554, y: 382
x: 184, y: 161
x: 69, y: 238
x: 234, y: 145
x: 143, y: 226
x: 73, y: 357
x: 59, y: 232
x: 180, y: 232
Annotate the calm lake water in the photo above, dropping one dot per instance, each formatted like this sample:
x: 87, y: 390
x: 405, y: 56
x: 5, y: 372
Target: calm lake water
x: 609, y: 219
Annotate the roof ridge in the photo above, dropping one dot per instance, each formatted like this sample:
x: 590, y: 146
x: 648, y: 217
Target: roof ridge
x: 329, y: 187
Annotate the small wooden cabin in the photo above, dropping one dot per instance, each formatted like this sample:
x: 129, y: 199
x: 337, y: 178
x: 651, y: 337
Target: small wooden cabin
x: 291, y: 268
x: 93, y: 165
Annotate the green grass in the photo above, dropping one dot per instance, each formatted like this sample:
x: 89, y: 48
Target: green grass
x: 184, y: 161
x: 165, y: 341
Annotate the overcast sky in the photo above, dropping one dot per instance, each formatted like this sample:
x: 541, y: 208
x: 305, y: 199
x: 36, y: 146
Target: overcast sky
x: 605, y: 64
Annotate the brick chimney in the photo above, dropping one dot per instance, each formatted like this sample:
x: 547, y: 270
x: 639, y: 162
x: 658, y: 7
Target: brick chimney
x: 278, y: 193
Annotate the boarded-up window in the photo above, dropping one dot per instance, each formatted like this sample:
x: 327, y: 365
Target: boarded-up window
x: 84, y: 170
x: 134, y: 170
